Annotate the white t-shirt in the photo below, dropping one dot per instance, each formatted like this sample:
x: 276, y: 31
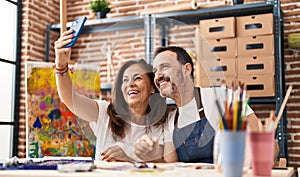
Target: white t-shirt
x: 104, y: 135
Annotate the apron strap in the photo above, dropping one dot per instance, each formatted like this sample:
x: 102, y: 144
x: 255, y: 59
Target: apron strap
x: 199, y: 105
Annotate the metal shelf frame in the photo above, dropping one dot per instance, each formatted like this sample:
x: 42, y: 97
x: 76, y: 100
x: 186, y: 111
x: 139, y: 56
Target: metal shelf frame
x: 165, y: 20
x: 100, y: 26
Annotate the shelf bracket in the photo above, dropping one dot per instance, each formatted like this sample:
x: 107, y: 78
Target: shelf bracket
x: 149, y: 24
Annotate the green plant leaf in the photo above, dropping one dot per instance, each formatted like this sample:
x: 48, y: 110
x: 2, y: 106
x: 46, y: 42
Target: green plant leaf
x: 100, y: 5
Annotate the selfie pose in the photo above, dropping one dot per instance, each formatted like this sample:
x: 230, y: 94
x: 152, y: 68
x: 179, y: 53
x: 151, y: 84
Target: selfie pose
x: 136, y: 108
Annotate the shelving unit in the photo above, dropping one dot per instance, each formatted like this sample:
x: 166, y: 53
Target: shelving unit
x: 164, y: 21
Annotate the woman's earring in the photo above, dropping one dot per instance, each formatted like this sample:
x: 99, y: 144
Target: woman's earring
x: 153, y: 91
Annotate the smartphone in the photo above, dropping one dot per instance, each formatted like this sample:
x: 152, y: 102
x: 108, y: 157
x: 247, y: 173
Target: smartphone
x: 77, y: 26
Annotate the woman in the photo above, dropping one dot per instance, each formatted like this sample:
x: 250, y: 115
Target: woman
x: 136, y: 109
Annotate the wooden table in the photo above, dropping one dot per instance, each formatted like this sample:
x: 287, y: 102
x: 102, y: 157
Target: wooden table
x: 163, y: 170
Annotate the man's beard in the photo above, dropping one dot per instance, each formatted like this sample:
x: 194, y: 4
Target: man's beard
x: 169, y: 91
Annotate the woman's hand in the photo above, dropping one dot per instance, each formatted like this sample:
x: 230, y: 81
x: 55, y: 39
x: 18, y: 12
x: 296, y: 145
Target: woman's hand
x: 115, y: 153
x: 148, y: 149
x: 62, y: 55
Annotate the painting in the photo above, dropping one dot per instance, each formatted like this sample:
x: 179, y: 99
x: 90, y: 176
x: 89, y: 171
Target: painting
x: 51, y: 128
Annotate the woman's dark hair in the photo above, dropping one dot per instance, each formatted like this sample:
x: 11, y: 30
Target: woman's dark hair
x: 118, y: 109
x: 182, y: 56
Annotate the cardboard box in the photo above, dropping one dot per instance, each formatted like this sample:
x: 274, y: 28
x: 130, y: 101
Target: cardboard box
x: 219, y: 48
x: 218, y: 67
x: 216, y: 81
x: 255, y: 45
x: 258, y: 85
x: 218, y: 28
x: 254, y: 25
x: 256, y: 65
x: 204, y: 79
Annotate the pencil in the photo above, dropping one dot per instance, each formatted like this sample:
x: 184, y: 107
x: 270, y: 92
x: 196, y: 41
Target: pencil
x: 221, y: 114
x: 220, y: 110
x: 221, y: 123
x: 235, y: 116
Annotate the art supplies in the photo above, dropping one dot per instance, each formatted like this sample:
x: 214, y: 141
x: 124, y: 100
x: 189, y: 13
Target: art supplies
x: 231, y: 146
x: 262, y: 152
x: 272, y: 122
x: 282, y: 106
x: 262, y: 142
x: 232, y: 117
x: 232, y: 149
x: 48, y: 163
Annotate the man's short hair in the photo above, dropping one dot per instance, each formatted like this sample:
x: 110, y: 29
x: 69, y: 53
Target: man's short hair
x: 182, y: 56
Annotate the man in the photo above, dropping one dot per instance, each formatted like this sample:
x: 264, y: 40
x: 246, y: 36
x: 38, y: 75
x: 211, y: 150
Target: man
x: 193, y: 131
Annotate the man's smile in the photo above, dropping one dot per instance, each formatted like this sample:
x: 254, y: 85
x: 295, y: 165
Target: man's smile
x: 162, y: 81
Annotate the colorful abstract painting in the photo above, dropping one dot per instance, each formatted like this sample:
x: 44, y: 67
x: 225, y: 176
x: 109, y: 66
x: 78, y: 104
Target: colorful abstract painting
x: 51, y: 128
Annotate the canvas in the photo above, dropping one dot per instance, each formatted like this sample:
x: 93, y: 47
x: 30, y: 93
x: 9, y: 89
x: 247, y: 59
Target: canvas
x: 51, y: 128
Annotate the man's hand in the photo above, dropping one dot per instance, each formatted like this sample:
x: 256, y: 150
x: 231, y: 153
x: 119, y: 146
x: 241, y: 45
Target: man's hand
x: 148, y: 149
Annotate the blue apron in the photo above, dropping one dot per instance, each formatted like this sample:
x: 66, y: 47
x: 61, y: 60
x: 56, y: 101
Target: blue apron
x: 194, y: 142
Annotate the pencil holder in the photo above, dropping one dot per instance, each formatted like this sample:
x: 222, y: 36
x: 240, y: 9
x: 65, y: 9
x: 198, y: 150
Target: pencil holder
x: 232, y: 149
x: 262, y: 152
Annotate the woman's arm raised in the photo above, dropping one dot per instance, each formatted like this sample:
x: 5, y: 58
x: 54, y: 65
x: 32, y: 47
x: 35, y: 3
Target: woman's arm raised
x: 80, y: 105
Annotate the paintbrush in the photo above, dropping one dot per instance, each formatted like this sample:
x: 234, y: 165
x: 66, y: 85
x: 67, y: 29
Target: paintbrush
x: 271, y: 121
x: 282, y: 107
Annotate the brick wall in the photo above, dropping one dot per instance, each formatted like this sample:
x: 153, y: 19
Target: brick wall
x: 291, y: 9
x: 36, y: 15
x: 129, y: 44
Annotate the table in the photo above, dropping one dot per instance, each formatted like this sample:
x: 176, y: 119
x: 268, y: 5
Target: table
x: 163, y: 170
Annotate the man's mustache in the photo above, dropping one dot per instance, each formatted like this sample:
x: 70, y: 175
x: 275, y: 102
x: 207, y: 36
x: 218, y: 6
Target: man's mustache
x: 163, y: 79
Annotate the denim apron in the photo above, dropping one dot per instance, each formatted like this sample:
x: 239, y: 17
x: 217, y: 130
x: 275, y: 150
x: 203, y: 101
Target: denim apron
x: 194, y: 142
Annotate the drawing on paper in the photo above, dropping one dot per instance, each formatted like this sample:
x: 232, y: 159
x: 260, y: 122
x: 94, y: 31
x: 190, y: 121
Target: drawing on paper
x: 51, y: 128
